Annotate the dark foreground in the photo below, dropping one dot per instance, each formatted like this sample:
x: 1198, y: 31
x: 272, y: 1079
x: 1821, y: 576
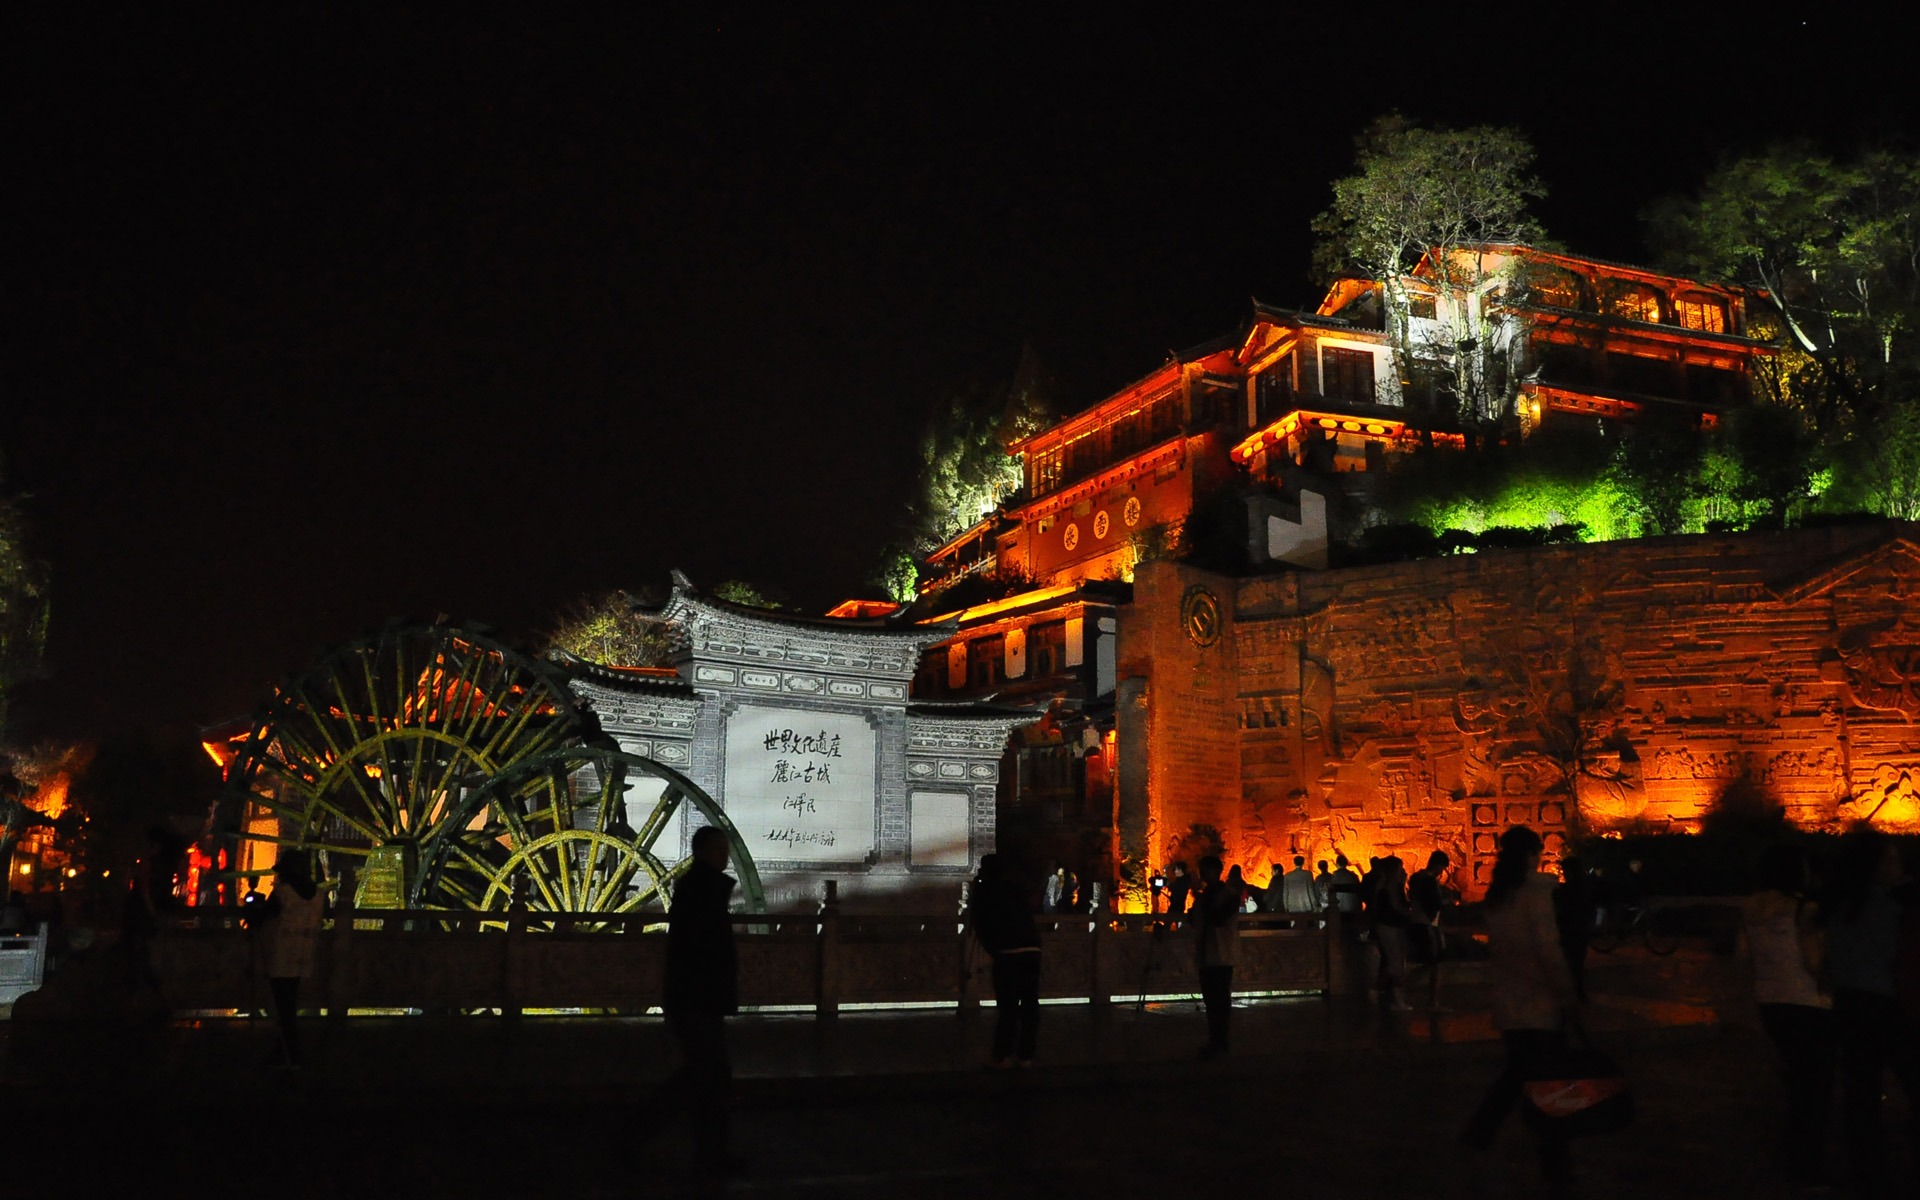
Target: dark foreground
x: 1321, y: 1098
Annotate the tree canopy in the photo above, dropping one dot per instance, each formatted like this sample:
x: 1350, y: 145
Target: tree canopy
x: 612, y: 629
x: 24, y: 608
x: 965, y: 470
x: 1437, y: 194
x: 1830, y: 252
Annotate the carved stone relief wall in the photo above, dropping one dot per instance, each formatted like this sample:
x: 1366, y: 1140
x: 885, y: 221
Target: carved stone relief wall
x: 1610, y: 687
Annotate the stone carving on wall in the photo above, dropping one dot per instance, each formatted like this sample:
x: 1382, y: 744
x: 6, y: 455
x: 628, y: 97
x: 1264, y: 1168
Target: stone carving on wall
x: 1881, y: 663
x: 1891, y: 799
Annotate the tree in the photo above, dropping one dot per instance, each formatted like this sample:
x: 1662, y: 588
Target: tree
x: 615, y: 628
x: 1882, y: 473
x: 966, y: 472
x: 24, y: 610
x: 608, y: 629
x: 1832, y: 250
x: 1656, y: 464
x: 1436, y: 195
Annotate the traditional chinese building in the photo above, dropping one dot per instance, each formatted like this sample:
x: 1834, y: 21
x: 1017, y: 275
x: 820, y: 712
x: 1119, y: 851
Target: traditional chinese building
x: 1271, y: 431
x: 803, y: 729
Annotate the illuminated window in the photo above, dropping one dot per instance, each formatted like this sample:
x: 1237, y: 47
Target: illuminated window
x: 1045, y: 524
x: 1273, y: 392
x: 1421, y: 307
x: 1046, y: 471
x: 1637, y: 302
x: 1347, y: 375
x: 1699, y: 311
x: 1555, y: 288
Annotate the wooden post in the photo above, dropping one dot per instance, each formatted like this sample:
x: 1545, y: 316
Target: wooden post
x: 827, y: 994
x: 510, y: 950
x: 339, y: 952
x: 969, y: 998
x: 1098, y: 994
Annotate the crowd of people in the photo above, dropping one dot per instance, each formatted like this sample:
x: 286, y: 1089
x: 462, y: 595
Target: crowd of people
x: 1835, y: 964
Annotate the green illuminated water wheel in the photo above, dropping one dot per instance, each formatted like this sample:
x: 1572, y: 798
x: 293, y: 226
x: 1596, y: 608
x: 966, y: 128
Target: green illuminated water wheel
x: 577, y: 829
x: 384, y: 740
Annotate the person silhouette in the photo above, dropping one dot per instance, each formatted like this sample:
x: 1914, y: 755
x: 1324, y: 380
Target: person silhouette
x: 1217, y: 932
x: 702, y: 990
x: 1532, y: 994
x: 289, y: 931
x: 1004, y: 927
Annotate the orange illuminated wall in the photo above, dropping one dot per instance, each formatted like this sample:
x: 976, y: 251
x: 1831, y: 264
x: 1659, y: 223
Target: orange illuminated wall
x: 1615, y: 687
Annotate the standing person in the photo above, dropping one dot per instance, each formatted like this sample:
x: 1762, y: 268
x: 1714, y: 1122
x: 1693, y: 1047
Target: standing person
x: 289, y: 942
x: 1532, y: 993
x: 1427, y: 898
x: 1004, y: 927
x: 1323, y: 887
x: 1218, y: 929
x: 1345, y: 886
x: 1573, y: 911
x: 702, y: 990
x: 1296, y: 888
x: 1273, y: 896
x: 1056, y: 884
x: 1789, y: 950
x: 1179, y: 883
x: 1242, y: 890
x: 1863, y: 934
x: 1389, y: 918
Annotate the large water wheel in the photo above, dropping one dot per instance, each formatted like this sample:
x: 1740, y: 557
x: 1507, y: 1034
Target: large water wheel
x: 468, y: 758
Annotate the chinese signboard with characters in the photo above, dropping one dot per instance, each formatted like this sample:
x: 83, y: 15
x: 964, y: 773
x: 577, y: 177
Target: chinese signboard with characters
x: 803, y: 730
x: 800, y: 784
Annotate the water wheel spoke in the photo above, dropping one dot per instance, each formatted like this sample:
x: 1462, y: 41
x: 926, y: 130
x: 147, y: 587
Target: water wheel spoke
x: 664, y: 809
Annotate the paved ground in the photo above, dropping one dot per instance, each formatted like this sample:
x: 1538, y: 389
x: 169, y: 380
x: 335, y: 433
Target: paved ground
x: 1330, y: 1098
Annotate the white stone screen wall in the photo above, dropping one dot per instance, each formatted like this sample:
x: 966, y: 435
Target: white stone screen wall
x: 800, y: 784
x: 938, y: 826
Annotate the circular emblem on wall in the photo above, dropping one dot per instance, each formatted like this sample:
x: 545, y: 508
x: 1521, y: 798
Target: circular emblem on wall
x: 1200, y: 616
x: 1131, y: 513
x: 1071, y: 537
x: 1100, y: 525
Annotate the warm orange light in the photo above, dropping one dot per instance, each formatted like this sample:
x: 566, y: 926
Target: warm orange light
x: 50, y: 798
x: 979, y: 611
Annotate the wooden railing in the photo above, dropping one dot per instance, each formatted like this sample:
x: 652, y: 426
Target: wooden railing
x: 515, y: 961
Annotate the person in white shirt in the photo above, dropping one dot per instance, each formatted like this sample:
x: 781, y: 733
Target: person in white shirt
x: 1788, y: 947
x: 1532, y: 993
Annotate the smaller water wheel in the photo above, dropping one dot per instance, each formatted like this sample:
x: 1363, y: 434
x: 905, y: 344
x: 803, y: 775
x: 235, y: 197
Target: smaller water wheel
x: 576, y: 829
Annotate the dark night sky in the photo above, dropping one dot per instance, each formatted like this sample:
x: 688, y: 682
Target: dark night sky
x: 328, y: 316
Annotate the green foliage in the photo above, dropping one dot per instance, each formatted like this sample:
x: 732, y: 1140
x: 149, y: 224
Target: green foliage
x: 1554, y: 478
x: 608, y: 629
x: 1759, y: 469
x: 24, y: 608
x: 1414, y: 189
x: 1835, y: 246
x: 966, y: 472
x: 738, y: 591
x: 1880, y: 472
x: 898, y: 575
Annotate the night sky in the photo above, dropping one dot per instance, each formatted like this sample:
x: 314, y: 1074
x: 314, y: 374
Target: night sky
x: 314, y: 318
